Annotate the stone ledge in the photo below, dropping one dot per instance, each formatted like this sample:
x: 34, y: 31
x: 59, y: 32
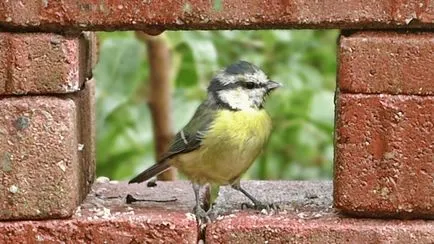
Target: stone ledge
x: 306, y: 216
x: 105, y: 218
x: 195, y: 14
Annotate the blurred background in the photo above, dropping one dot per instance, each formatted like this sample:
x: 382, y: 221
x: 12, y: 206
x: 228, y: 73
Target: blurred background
x: 301, y: 145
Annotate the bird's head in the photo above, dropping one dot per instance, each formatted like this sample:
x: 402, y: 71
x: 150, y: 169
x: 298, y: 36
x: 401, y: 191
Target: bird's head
x: 241, y: 86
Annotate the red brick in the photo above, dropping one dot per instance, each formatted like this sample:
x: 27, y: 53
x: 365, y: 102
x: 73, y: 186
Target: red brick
x: 39, y: 157
x: 306, y: 216
x: 414, y: 11
x: 4, y: 75
x: 47, y: 154
x: 248, y: 228
x: 384, y: 155
x: 86, y: 124
x: 41, y: 63
x: 105, y: 218
x: 387, y: 62
x: 196, y: 14
x: 90, y: 51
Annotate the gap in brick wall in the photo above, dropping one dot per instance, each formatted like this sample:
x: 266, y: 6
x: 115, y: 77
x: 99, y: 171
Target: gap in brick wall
x: 301, y: 145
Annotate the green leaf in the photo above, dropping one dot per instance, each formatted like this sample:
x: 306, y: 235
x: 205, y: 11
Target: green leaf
x: 322, y: 108
x: 187, y: 75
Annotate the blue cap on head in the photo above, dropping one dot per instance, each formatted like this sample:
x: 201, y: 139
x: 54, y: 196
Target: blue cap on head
x: 241, y: 67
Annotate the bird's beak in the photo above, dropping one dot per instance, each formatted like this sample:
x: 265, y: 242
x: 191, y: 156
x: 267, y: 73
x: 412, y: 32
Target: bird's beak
x: 271, y: 85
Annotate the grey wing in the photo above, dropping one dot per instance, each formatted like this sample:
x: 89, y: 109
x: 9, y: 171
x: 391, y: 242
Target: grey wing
x: 191, y: 136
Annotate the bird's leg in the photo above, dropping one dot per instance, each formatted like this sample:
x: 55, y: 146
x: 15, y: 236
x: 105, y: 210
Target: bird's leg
x: 201, y: 214
x: 258, y: 205
x: 210, y: 196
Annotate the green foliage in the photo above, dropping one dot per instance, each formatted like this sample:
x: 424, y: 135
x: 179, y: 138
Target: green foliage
x: 301, y: 146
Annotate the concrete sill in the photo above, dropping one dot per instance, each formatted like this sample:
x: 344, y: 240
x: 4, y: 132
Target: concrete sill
x: 306, y: 216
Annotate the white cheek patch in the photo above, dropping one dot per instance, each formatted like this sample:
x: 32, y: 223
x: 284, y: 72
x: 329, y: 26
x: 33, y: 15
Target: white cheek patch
x: 257, y: 96
x: 236, y: 99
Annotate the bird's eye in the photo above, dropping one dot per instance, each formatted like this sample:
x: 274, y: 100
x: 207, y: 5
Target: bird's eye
x: 250, y: 85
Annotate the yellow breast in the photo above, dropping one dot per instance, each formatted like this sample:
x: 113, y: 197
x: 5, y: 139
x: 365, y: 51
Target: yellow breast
x: 231, y: 145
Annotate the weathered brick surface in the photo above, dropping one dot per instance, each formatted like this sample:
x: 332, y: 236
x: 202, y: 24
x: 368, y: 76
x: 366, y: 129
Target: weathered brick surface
x: 306, y: 216
x: 39, y: 63
x: 387, y: 62
x: 89, y: 52
x: 86, y: 125
x: 47, y: 157
x: 105, y: 218
x: 39, y: 166
x: 251, y: 14
x: 384, y: 155
x: 413, y: 11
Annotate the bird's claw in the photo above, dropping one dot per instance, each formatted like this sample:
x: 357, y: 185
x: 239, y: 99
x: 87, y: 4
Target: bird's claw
x: 201, y: 215
x: 261, y: 206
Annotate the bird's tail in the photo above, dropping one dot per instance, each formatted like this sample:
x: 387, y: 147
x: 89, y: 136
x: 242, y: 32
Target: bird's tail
x: 152, y: 171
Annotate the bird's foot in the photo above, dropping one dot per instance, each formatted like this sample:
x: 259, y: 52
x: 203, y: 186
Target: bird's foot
x: 201, y: 215
x: 261, y: 206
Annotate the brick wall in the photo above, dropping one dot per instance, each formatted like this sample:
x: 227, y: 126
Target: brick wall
x: 383, y: 142
x: 47, y: 133
x: 196, y: 14
x: 384, y: 125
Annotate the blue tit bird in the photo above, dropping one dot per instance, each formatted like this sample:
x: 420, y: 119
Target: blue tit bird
x: 226, y: 134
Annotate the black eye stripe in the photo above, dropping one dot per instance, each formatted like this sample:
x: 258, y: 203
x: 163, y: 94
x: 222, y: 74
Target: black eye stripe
x: 249, y: 85
x: 216, y: 85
